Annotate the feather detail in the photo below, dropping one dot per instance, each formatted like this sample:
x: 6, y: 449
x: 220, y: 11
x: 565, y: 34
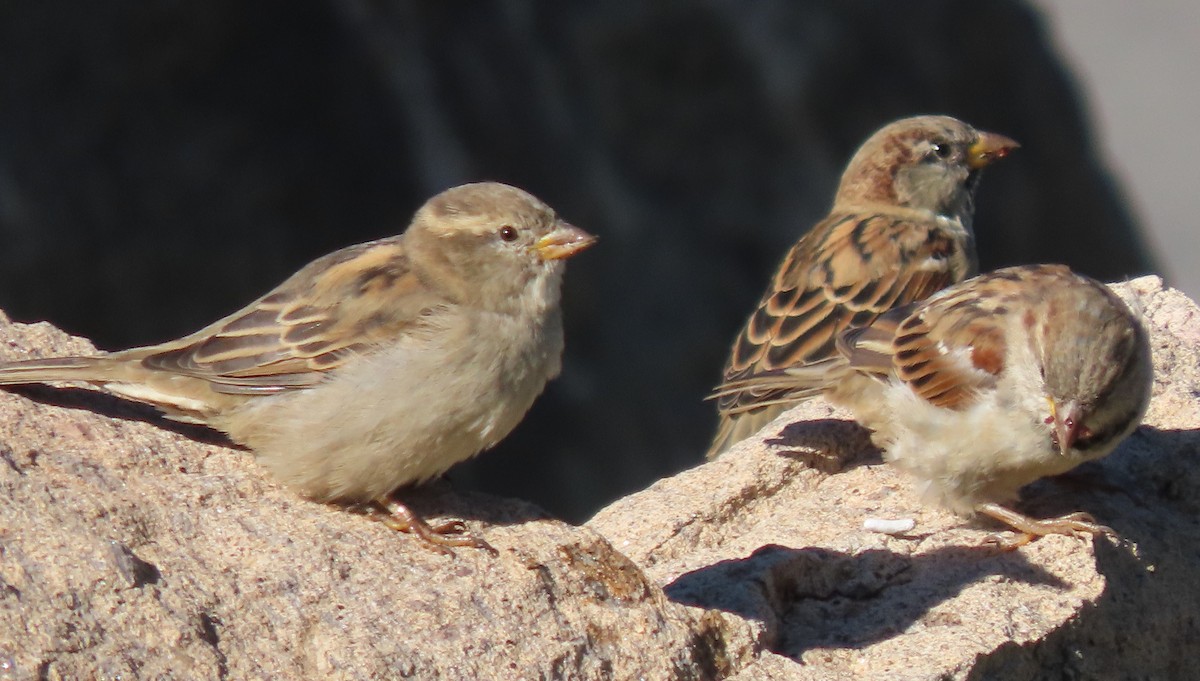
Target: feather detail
x: 863, y: 267
x: 336, y: 308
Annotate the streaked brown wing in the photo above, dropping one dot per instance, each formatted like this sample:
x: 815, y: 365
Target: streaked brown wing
x: 337, y: 306
x: 841, y: 275
x: 948, y: 349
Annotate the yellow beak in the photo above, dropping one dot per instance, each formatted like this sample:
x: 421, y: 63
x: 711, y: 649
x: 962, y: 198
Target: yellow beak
x: 989, y: 147
x: 563, y: 242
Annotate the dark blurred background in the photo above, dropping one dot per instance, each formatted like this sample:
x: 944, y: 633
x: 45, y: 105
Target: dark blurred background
x: 161, y: 164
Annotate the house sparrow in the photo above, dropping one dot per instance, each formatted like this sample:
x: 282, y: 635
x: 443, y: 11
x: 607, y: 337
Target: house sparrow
x: 899, y: 230
x: 377, y: 366
x: 986, y: 386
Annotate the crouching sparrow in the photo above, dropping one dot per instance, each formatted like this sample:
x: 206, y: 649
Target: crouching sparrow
x: 987, y: 386
x: 378, y: 366
x: 899, y: 230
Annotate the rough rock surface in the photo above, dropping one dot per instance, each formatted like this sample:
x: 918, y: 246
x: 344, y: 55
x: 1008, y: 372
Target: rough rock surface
x: 128, y: 550
x: 771, y: 534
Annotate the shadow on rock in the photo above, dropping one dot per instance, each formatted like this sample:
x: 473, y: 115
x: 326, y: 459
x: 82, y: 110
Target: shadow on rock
x: 820, y: 598
x: 438, y: 499
x: 114, y: 407
x: 1144, y: 624
x: 827, y: 445
x: 1151, y: 476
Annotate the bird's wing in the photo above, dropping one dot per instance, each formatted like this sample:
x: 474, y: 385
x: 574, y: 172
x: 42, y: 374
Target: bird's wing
x: 851, y: 268
x: 947, y: 349
x: 340, y: 305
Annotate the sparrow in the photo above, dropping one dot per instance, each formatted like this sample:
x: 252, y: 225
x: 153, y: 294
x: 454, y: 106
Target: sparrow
x: 375, y: 367
x: 987, y: 386
x: 899, y: 230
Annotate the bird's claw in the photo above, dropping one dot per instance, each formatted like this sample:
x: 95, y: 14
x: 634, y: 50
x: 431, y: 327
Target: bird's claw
x: 440, y: 538
x: 1028, y: 529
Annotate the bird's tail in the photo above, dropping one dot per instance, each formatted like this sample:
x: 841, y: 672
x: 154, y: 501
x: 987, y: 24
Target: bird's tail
x: 733, y: 428
x: 118, y: 374
x: 749, y: 403
x: 86, y: 369
x: 785, y: 386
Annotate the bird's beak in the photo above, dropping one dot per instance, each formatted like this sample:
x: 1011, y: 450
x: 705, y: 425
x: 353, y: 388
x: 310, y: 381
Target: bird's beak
x: 563, y: 242
x: 989, y: 147
x: 1067, y: 425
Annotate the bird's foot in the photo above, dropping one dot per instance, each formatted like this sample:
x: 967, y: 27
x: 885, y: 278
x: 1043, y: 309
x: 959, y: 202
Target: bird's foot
x: 440, y: 538
x: 1073, y: 524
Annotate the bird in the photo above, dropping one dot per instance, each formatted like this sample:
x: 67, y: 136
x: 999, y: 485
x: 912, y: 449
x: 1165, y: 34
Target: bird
x: 375, y: 367
x: 899, y: 229
x: 987, y: 386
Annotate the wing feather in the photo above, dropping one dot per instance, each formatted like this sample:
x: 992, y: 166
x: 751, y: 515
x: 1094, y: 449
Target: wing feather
x: 948, y: 349
x: 841, y: 275
x: 337, y: 307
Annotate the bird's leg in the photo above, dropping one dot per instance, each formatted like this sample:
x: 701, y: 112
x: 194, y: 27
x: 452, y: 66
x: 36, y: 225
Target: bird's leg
x: 1029, y: 528
x: 399, y: 517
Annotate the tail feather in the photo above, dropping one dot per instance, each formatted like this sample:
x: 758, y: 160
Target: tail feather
x: 176, y: 396
x: 734, y: 428
x: 759, y: 398
x: 87, y: 369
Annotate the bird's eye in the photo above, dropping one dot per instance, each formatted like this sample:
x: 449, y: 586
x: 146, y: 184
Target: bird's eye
x: 942, y: 150
x: 508, y: 233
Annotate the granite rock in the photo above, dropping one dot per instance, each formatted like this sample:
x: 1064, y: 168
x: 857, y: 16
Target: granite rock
x: 772, y: 535
x: 132, y: 548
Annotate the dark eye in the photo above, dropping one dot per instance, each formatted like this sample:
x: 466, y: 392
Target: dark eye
x: 942, y: 150
x: 508, y: 233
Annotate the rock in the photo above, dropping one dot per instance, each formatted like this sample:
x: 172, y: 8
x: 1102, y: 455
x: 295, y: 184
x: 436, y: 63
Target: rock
x: 182, y: 158
x: 132, y: 548
x: 131, y: 551
x: 771, y: 535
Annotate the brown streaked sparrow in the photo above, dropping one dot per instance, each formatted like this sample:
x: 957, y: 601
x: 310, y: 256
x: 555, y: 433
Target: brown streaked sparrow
x: 988, y: 385
x: 899, y: 230
x: 376, y: 366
